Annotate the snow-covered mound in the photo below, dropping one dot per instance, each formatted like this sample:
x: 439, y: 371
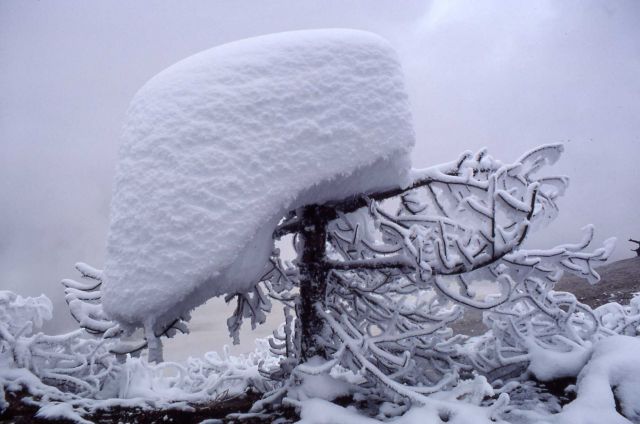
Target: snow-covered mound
x: 613, y: 373
x: 219, y: 146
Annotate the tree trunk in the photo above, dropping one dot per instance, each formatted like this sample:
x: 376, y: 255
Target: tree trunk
x: 313, y: 279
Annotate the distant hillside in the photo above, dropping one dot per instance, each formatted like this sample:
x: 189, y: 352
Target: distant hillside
x: 618, y: 282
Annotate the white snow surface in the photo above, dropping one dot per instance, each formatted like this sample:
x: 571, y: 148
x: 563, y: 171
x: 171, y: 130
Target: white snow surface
x: 549, y: 365
x: 613, y: 370
x: 218, y: 147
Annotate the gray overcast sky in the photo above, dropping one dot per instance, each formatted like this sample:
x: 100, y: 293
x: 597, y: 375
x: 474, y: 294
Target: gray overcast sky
x: 504, y: 74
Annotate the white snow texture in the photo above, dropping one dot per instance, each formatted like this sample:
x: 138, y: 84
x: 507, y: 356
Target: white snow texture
x: 218, y: 147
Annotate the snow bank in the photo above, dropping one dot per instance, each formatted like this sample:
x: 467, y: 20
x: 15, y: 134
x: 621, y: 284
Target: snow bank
x: 613, y: 368
x: 60, y: 411
x: 219, y: 146
x: 547, y: 364
x: 464, y: 404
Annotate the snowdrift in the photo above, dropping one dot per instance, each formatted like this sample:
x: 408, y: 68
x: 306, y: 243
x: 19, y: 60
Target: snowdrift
x: 219, y: 146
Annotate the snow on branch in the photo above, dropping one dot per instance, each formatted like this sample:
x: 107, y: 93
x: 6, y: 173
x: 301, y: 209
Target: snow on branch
x: 84, y: 301
x: 75, y: 361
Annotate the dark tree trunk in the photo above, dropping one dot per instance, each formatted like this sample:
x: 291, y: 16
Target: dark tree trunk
x: 637, y: 249
x: 313, y: 279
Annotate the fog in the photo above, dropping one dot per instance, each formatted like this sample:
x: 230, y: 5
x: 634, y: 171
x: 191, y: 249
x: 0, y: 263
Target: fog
x: 500, y: 74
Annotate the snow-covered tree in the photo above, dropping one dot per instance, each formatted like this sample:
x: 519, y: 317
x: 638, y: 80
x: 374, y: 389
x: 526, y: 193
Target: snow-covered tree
x: 305, y: 137
x: 379, y: 277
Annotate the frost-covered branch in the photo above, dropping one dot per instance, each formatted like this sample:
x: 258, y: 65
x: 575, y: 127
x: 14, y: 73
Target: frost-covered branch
x: 76, y: 362
x: 84, y: 300
x: 456, y: 227
x: 535, y: 315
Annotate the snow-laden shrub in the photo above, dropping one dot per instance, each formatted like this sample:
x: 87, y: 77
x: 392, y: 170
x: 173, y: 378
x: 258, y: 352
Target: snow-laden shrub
x: 620, y: 319
x: 398, y: 266
x: 397, y: 275
x: 75, y: 374
x: 379, y: 278
x: 75, y: 362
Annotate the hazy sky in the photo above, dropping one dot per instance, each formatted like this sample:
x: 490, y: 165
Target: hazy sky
x: 501, y: 74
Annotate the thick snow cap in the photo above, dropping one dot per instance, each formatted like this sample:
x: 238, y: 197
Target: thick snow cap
x: 218, y: 147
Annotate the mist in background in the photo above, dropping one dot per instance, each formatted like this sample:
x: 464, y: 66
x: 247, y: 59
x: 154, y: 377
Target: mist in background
x: 501, y: 74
